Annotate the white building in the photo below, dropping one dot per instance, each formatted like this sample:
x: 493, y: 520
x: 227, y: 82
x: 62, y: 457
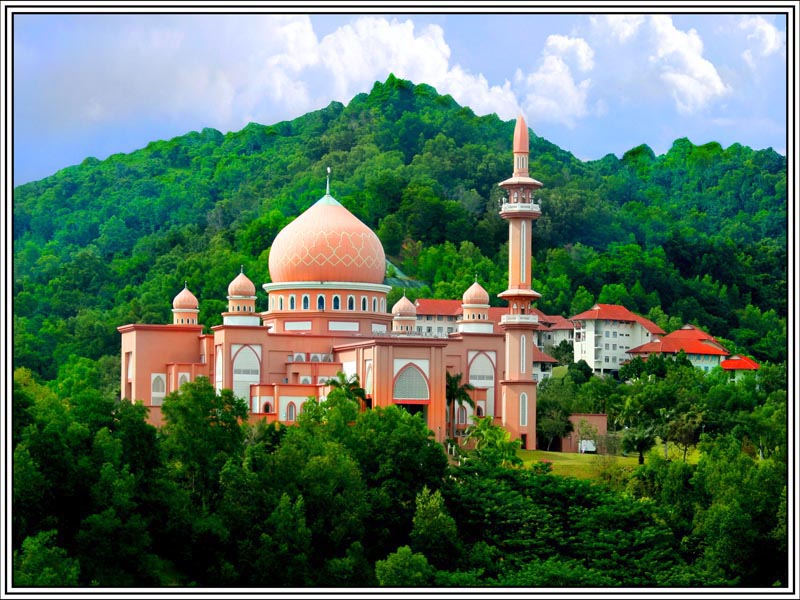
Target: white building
x: 606, y: 332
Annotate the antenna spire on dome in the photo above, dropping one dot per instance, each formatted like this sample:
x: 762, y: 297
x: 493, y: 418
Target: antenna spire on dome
x: 328, y: 183
x: 241, y: 268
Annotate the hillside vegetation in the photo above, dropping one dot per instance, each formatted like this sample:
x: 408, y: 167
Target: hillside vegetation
x: 698, y: 235
x: 368, y: 498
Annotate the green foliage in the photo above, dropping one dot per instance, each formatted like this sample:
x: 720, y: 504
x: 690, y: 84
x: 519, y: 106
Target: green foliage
x: 327, y: 501
x: 404, y: 568
x: 41, y: 563
x: 434, y: 532
x: 553, y: 399
x: 202, y: 431
x: 696, y: 235
x: 493, y: 444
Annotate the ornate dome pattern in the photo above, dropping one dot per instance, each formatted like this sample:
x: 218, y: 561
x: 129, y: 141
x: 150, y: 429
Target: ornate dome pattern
x: 327, y: 243
x: 185, y: 300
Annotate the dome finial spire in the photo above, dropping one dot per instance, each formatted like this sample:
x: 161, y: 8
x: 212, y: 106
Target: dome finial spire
x: 328, y: 183
x: 241, y: 268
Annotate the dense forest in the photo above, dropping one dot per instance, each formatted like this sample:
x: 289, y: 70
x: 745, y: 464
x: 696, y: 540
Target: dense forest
x: 347, y: 498
x: 362, y: 499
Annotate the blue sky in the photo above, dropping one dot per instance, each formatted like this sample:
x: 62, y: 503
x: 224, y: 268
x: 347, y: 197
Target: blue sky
x: 99, y: 84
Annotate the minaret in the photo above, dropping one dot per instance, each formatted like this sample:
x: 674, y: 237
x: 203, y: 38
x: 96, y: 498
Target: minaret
x: 519, y: 208
x: 185, y: 307
x: 241, y: 302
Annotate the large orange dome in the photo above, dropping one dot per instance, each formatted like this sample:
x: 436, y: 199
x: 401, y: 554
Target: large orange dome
x: 327, y: 243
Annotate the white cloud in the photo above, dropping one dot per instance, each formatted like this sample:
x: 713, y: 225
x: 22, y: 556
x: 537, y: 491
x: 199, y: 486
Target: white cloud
x: 692, y: 80
x: 620, y: 27
x: 370, y: 48
x: 563, y: 46
x: 763, y: 38
x: 551, y: 92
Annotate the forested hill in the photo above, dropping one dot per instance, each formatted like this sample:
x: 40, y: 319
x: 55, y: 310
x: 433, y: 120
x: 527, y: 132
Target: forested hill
x: 696, y: 235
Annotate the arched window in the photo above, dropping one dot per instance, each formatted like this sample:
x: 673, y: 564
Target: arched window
x: 280, y: 302
x: 374, y: 304
x: 351, y: 303
x: 336, y: 303
x: 291, y: 412
x: 462, y: 415
x: 523, y: 409
x: 363, y: 304
x: 159, y: 387
x: 411, y: 385
x: 383, y: 304
x: 292, y: 302
x: 479, y: 411
x: 320, y: 302
x: 522, y: 357
x: 306, y: 302
x: 267, y: 407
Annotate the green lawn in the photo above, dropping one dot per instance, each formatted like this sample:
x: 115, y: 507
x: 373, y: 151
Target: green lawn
x: 572, y: 464
x: 589, y: 466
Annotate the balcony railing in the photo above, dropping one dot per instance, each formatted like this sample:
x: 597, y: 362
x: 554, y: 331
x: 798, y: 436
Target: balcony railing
x: 512, y: 207
x: 512, y: 319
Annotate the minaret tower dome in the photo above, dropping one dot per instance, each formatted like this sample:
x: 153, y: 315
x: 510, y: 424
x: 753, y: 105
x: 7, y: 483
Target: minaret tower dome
x: 404, y: 315
x: 475, y: 310
x: 520, y: 209
x: 241, y: 302
x: 185, y: 307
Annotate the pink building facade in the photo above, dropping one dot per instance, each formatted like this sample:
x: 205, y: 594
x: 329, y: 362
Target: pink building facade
x: 327, y: 313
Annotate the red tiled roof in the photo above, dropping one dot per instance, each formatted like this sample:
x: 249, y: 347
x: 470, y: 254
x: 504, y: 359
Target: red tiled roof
x: 559, y: 322
x: 673, y: 346
x: 616, y: 312
x: 541, y: 357
x: 740, y: 363
x: 428, y: 306
x: 690, y: 332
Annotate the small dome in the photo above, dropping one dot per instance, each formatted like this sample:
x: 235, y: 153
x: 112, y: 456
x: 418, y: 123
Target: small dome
x: 475, y: 295
x: 185, y: 300
x: 327, y: 243
x: 404, y: 308
x: 241, y: 286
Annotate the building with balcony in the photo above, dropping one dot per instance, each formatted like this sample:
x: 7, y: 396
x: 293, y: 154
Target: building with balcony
x: 604, y: 334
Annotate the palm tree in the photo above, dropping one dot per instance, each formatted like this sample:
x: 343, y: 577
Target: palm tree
x: 351, y: 387
x: 639, y: 439
x: 457, y: 393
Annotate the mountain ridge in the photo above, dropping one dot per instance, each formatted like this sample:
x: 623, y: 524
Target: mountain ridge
x: 698, y: 233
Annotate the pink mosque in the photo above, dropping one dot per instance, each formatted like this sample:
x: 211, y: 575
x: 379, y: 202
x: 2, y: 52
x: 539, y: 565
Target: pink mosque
x: 327, y: 314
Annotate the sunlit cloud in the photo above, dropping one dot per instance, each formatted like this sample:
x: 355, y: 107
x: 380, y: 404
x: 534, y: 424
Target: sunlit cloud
x: 692, y: 80
x: 763, y: 38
